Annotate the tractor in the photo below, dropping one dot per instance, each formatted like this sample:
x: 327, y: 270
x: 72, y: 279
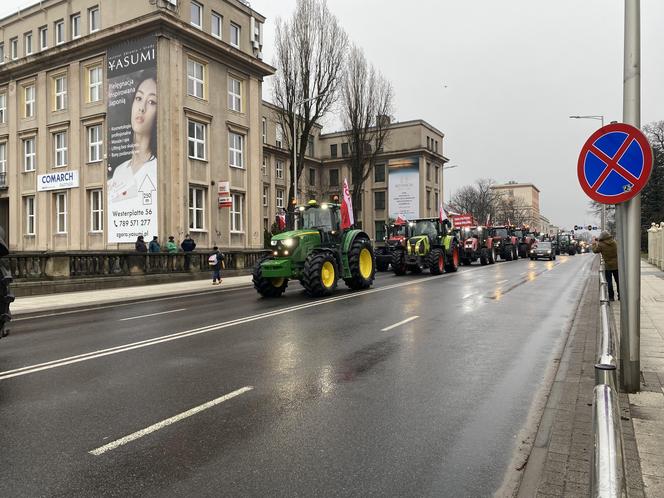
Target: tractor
x: 477, y: 244
x: 525, y: 239
x: 396, y: 235
x: 429, y: 246
x: 566, y: 244
x: 504, y: 242
x: 318, y: 255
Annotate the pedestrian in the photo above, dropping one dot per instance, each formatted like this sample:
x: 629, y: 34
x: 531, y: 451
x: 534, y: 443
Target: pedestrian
x: 154, y: 244
x: 215, y: 260
x: 171, y: 246
x: 606, y: 245
x: 140, y: 244
x: 188, y: 245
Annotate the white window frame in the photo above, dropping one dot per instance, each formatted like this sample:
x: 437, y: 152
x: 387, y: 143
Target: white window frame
x: 266, y: 195
x: 219, y: 20
x: 195, y: 6
x: 2, y: 53
x: 280, y: 198
x: 264, y: 166
x: 95, y: 144
x: 237, y: 213
x: 96, y: 215
x: 235, y: 29
x: 29, y: 158
x: 27, y: 43
x: 195, y: 84
x: 279, y: 136
x: 43, y: 38
x: 29, y: 103
x: 94, y: 87
x: 93, y: 12
x: 3, y: 157
x: 30, y: 215
x: 3, y: 108
x: 75, y: 25
x: 60, y: 101
x: 60, y: 152
x: 279, y: 170
x: 264, y: 131
x: 236, y: 150
x: 195, y: 207
x: 13, y: 47
x: 59, y: 34
x: 234, y: 94
x: 60, y: 212
x: 196, y: 139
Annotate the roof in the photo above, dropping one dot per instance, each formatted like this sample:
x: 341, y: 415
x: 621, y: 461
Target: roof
x: 514, y: 185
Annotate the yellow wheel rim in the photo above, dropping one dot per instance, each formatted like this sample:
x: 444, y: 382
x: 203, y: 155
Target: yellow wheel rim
x: 366, y: 263
x: 327, y: 275
x: 277, y: 282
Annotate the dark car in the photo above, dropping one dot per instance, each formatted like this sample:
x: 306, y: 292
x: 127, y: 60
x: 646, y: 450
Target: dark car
x: 543, y: 249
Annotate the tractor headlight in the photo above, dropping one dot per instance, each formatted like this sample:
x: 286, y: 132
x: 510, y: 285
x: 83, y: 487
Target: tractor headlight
x: 289, y: 242
x: 273, y: 242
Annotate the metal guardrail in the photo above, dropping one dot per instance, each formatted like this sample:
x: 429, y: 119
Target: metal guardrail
x: 607, y: 466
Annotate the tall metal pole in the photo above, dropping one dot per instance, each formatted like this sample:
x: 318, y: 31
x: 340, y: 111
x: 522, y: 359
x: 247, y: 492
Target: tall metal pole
x: 630, y: 213
x: 294, y: 167
x: 603, y: 216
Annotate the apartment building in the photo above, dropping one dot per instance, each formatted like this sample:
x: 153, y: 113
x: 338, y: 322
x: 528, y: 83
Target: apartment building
x: 120, y: 119
x: 526, y: 197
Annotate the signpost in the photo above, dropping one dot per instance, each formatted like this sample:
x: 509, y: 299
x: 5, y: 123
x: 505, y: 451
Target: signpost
x: 224, y: 195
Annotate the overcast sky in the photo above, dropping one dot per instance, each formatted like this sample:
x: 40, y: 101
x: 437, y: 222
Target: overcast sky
x: 500, y: 78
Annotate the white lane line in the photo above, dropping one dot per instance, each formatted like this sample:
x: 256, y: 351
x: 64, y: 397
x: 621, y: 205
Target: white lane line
x: 210, y: 328
x: 502, y: 281
x: 151, y: 314
x: 164, y: 423
x: 400, y: 323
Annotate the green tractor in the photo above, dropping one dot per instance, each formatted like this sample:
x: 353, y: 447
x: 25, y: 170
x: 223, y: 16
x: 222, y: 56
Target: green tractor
x: 318, y: 254
x: 431, y: 245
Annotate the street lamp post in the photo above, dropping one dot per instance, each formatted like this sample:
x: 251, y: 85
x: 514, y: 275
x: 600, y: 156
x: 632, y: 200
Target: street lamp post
x: 442, y: 182
x: 295, y: 106
x: 601, y: 118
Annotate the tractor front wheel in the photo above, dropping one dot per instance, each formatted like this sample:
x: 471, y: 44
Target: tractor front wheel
x: 362, y: 265
x: 452, y: 263
x: 320, y: 274
x: 268, y: 287
x: 436, y: 261
x: 399, y: 262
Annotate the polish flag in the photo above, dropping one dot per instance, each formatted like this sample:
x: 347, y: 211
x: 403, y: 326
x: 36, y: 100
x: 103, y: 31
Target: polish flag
x: 488, y: 219
x: 281, y: 220
x: 400, y: 220
x: 346, y: 208
x: 441, y: 213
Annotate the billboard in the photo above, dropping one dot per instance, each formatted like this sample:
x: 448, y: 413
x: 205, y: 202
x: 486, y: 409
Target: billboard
x: 404, y: 187
x: 131, y: 116
x: 463, y: 220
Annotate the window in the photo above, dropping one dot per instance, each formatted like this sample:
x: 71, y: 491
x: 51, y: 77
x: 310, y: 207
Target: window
x: 30, y: 215
x: 59, y: 32
x: 280, y: 198
x: 96, y: 211
x: 216, y: 25
x: 437, y: 174
x: 29, y: 99
x: 279, y: 132
x: 333, y: 151
x: 235, y: 35
x: 196, y: 15
x: 428, y: 142
x: 94, y: 84
x: 379, y: 173
x: 428, y: 171
x: 60, y: 83
x: 27, y: 43
x: 236, y: 150
x: 2, y: 53
x: 379, y: 226
x: 264, y: 166
x: 196, y: 208
x: 94, y: 18
x: 94, y: 143
x: 43, y: 38
x: 266, y: 195
x: 29, y: 154
x: 428, y: 199
x: 13, y: 44
x: 436, y: 146
x: 379, y: 200
x: 310, y: 146
x: 61, y: 212
x: 60, y: 148
x: 344, y: 149
x: 3, y: 157
x: 264, y: 129
x: 234, y: 94
x: 334, y: 177
x: 196, y: 138
x: 3, y: 107
x: 195, y: 79
x: 280, y: 169
x: 236, y: 213
x: 76, y: 26
x: 312, y: 176
x: 436, y: 205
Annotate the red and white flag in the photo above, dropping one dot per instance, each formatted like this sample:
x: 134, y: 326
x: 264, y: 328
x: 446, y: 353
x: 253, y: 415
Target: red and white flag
x: 347, y: 218
x: 441, y: 213
x: 488, y: 219
x: 281, y: 220
x: 400, y: 220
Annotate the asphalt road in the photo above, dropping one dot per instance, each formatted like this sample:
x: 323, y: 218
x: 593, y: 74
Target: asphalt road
x: 291, y: 396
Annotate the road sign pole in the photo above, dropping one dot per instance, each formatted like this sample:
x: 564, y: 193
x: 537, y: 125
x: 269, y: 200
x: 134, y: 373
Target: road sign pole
x: 630, y: 213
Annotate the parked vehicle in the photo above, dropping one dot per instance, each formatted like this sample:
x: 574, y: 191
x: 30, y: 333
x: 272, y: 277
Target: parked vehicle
x: 504, y: 242
x: 543, y: 249
x: 430, y: 246
x: 396, y: 235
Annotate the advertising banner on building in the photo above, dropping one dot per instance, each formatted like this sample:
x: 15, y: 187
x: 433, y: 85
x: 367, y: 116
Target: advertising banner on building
x: 224, y: 195
x: 57, y: 181
x: 404, y: 187
x: 131, y: 117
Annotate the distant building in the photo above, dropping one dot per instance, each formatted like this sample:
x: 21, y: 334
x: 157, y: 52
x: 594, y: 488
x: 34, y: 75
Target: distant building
x: 527, y: 197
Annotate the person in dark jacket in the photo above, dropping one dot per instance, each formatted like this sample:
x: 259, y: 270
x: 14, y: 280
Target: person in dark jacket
x: 606, y: 246
x: 215, y: 259
x: 140, y: 244
x: 188, y: 245
x: 154, y: 244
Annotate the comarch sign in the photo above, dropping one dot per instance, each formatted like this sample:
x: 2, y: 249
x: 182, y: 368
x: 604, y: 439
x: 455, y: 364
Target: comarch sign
x: 56, y: 181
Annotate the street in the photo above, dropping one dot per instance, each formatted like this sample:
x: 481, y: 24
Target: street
x: 416, y: 387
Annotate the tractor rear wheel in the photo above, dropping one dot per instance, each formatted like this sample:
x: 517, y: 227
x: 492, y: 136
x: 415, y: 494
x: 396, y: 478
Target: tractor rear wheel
x: 268, y: 287
x: 452, y: 260
x: 362, y: 265
x: 436, y: 261
x: 320, y: 274
x: 515, y: 253
x: 399, y: 262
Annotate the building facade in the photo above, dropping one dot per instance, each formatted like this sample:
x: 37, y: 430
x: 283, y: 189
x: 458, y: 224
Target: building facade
x: 526, y: 199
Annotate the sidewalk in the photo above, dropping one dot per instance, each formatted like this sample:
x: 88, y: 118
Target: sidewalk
x: 70, y: 300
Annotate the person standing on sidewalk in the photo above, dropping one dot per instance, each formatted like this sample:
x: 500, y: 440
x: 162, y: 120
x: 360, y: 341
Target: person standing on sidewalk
x: 154, y: 244
x: 188, y: 245
x: 140, y: 244
x: 606, y: 246
x: 215, y: 260
x: 171, y: 246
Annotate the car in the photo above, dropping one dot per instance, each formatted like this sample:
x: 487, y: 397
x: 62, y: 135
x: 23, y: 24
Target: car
x: 543, y: 249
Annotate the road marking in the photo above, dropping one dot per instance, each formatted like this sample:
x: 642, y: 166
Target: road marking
x: 214, y: 327
x: 165, y: 423
x: 151, y: 314
x: 400, y: 323
x: 502, y: 281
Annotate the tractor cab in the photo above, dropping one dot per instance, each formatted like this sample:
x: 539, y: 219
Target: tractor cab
x: 324, y: 218
x: 429, y: 244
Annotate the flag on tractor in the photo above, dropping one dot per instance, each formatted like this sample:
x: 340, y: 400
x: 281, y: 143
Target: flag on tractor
x: 347, y: 218
x: 488, y: 219
x: 400, y: 220
x: 281, y: 220
x: 441, y: 213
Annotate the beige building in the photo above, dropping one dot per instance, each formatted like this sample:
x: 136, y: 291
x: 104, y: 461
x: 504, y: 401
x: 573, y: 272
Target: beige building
x: 526, y: 198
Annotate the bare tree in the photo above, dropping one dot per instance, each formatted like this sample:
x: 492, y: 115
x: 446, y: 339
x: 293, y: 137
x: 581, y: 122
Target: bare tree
x: 311, y: 48
x: 513, y: 210
x: 478, y: 199
x: 367, y: 105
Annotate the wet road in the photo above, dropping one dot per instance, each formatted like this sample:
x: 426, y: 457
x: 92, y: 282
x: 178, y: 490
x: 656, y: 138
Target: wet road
x: 417, y: 387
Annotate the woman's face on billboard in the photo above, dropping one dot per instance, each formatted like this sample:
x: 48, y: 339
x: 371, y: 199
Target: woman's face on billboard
x: 144, y: 107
